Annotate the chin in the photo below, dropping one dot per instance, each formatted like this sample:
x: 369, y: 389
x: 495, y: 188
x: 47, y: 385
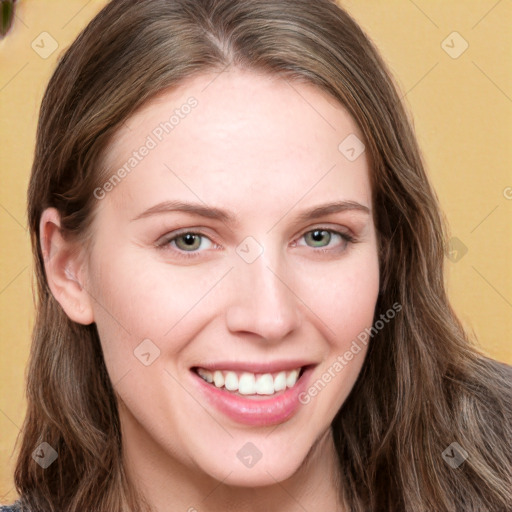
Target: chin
x: 267, y: 470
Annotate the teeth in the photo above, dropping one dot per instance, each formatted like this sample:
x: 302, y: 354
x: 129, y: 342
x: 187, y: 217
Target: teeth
x: 265, y: 384
x: 280, y: 381
x: 206, y: 375
x: 218, y: 378
x: 231, y: 381
x: 247, y: 383
x: 291, y: 378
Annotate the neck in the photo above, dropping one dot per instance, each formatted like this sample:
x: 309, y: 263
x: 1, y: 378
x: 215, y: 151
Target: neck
x: 166, y: 482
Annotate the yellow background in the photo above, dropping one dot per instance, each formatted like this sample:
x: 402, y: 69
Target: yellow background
x: 462, y: 109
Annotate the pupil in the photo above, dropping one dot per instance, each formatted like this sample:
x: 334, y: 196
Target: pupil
x: 318, y: 236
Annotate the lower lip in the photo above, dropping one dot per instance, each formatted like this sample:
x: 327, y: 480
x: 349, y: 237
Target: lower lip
x: 256, y: 412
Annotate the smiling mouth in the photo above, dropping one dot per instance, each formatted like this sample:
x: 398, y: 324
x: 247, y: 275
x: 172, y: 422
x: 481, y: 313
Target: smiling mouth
x: 251, y: 384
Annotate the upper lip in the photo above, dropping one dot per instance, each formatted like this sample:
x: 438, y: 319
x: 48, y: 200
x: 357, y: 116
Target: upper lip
x: 255, y: 367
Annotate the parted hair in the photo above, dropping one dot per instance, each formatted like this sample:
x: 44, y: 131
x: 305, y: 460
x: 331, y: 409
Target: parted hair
x: 424, y: 383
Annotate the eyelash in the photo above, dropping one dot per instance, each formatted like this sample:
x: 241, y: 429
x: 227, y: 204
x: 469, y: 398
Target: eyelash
x: 348, y: 239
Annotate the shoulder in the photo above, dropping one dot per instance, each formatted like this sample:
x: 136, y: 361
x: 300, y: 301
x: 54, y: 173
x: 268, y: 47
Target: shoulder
x: 15, y: 507
x: 498, y: 378
x: 505, y: 369
x: 501, y: 371
x: 497, y: 369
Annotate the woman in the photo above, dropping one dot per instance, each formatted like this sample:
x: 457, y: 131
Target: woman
x: 197, y: 346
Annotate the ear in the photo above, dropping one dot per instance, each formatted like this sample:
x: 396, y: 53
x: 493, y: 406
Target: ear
x: 65, y: 270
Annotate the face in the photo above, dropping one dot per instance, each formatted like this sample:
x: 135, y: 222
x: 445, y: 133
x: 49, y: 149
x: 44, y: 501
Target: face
x: 226, y: 296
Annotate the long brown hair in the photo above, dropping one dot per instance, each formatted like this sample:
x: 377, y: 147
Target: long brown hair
x: 423, y: 384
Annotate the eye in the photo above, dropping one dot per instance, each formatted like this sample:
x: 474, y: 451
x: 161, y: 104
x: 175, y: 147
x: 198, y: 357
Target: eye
x: 321, y: 237
x: 189, y: 241
x: 186, y: 243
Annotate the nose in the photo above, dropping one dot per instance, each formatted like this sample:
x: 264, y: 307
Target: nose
x: 263, y: 301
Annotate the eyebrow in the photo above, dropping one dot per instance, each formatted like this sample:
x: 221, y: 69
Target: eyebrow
x: 227, y: 217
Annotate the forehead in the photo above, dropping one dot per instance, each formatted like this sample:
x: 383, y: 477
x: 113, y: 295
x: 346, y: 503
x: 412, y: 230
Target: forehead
x: 237, y: 138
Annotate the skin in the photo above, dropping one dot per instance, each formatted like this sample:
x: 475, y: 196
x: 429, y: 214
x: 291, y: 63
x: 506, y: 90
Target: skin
x: 265, y: 150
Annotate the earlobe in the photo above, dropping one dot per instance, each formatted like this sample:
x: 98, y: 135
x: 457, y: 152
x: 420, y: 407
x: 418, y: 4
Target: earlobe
x: 64, y: 269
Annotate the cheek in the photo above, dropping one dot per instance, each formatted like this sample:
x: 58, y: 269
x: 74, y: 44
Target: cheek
x: 140, y: 298
x: 344, y: 300
x: 342, y: 295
